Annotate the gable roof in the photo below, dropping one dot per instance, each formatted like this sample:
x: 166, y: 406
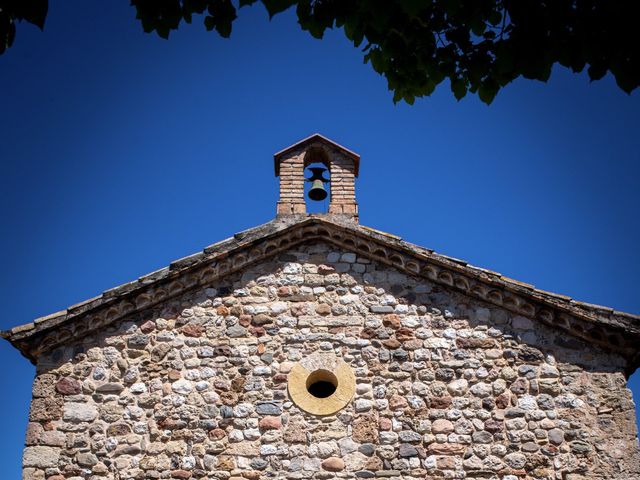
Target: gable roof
x: 601, y: 326
x: 316, y: 138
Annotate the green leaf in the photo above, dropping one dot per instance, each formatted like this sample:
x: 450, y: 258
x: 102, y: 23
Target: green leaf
x: 32, y: 11
x: 495, y: 18
x: 459, y: 88
x: 378, y: 60
x: 413, y: 7
x: 209, y: 23
x: 596, y: 71
x: 487, y: 93
x: 276, y: 6
x: 354, y: 32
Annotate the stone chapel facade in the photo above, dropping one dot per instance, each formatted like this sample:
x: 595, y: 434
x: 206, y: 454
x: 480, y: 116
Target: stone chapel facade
x: 314, y: 347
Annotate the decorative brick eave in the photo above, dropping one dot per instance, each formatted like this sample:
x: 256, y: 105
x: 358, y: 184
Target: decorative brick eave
x: 600, y: 326
x: 316, y: 137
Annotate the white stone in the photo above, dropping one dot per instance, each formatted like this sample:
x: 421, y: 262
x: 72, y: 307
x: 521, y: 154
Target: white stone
x: 40, y: 457
x: 458, y: 387
x: 449, y: 333
x: 347, y: 445
x: 388, y: 438
x: 182, y: 387
x: 79, y: 412
x: 402, y: 309
x: 436, y: 342
x: 268, y: 450
x: 481, y: 389
x: 243, y: 410
x: 261, y: 370
x: 527, y: 402
x: 363, y: 405
x: 279, y: 307
x: 410, y: 322
x: 138, y: 388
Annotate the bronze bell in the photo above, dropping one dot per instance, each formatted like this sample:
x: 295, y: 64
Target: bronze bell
x: 317, y: 191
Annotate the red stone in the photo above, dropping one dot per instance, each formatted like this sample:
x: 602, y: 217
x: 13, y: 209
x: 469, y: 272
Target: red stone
x: 280, y: 378
x: 68, y: 386
x: 385, y: 424
x: 323, y: 309
x: 262, y: 319
x: 34, y: 430
x: 446, y: 463
x: 493, y: 425
x: 222, y: 311
x: 502, y: 401
x: 333, y: 464
x: 396, y: 402
x: 325, y: 269
x: 465, y: 343
x: 217, y: 434
x: 445, y: 448
x: 367, y: 333
x: 440, y: 402
x: 365, y: 429
x: 391, y: 343
x: 404, y: 334
x: 270, y: 423
x: 148, y: 326
x: 182, y: 474
x: 391, y: 320
x: 257, y: 331
x: 284, y: 291
x: 237, y: 384
x: 193, y: 330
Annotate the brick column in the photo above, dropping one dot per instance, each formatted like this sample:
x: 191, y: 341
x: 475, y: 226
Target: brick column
x: 343, y: 188
x: 292, y: 185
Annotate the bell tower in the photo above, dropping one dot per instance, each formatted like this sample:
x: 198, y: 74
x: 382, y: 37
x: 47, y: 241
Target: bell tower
x: 342, y: 165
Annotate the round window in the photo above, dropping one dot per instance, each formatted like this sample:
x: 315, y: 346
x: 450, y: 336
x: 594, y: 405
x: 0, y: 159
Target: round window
x: 321, y: 385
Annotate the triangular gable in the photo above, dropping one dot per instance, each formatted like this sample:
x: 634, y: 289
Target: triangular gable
x: 321, y: 139
x: 601, y: 326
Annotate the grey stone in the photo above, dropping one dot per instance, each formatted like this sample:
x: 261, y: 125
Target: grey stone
x: 138, y: 341
x: 110, y: 388
x: 515, y: 460
x: 381, y: 309
x: 409, y: 436
x: 86, y: 459
x: 367, y: 449
x: 556, y: 436
x: 407, y: 450
x: 268, y: 408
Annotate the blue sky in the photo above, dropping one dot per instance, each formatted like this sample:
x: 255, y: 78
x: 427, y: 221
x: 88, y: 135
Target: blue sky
x: 121, y: 152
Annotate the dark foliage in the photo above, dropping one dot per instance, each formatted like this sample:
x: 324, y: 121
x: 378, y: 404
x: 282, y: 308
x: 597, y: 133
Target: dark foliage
x: 478, y: 45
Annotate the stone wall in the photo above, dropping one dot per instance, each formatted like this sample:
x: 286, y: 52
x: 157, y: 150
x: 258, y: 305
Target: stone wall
x: 447, y: 387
